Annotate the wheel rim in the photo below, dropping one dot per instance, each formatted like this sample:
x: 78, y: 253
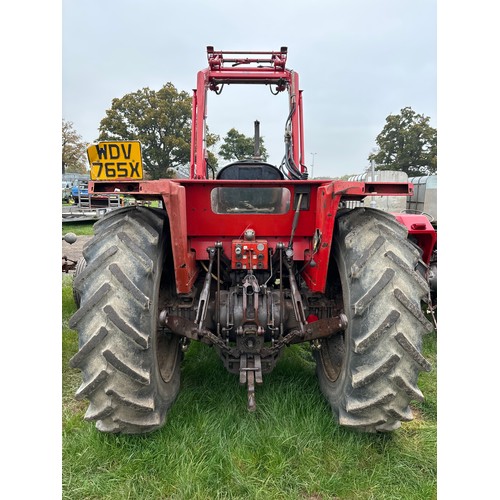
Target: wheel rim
x: 167, y: 350
x: 332, y: 357
x: 333, y: 350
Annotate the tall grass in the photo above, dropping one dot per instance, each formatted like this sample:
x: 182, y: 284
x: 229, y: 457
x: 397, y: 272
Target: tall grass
x: 212, y: 448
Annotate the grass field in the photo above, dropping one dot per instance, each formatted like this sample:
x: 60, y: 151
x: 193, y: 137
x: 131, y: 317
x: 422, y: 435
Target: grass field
x: 212, y: 448
x: 79, y: 228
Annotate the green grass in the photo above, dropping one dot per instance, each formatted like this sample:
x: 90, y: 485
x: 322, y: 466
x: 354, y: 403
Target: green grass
x: 212, y: 448
x: 79, y: 228
x: 86, y: 228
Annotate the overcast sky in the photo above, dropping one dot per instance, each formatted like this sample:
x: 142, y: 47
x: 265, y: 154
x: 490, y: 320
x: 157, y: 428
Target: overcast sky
x: 358, y: 61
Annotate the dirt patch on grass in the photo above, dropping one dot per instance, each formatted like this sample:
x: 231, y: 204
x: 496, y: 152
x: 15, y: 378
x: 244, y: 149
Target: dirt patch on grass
x: 74, y: 251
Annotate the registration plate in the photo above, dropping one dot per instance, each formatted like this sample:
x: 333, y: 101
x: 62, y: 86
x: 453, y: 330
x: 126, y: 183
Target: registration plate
x: 115, y: 160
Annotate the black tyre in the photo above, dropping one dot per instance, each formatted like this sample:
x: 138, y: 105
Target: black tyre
x: 369, y: 374
x: 130, y: 368
x: 80, y: 266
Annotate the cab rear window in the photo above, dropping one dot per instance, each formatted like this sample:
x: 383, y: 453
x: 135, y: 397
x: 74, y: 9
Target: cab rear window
x: 265, y: 200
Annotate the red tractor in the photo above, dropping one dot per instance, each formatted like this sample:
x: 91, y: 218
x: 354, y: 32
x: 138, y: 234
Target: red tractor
x: 257, y: 259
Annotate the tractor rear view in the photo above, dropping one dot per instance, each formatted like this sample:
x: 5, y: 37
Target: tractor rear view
x: 255, y: 260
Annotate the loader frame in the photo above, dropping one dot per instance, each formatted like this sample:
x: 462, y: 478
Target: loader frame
x: 195, y: 226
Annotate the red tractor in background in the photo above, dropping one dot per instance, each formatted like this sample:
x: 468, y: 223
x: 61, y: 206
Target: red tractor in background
x: 257, y: 259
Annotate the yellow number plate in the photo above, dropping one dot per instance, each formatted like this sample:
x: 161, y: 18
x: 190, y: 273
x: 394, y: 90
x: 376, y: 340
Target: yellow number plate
x: 115, y: 160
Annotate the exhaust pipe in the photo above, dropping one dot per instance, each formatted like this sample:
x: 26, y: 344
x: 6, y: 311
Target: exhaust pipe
x: 256, y: 139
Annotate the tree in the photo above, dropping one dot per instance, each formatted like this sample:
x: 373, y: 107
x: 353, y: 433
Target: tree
x: 74, y: 150
x: 160, y: 120
x: 212, y: 161
x: 407, y: 143
x: 237, y: 146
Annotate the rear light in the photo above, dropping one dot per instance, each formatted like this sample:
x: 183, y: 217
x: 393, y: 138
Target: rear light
x: 312, y: 318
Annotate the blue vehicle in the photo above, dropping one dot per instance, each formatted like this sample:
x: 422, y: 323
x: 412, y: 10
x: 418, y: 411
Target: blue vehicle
x: 80, y: 196
x: 80, y: 189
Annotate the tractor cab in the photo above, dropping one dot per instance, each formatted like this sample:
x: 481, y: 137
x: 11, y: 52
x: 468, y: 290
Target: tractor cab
x: 250, y: 170
x: 270, y: 200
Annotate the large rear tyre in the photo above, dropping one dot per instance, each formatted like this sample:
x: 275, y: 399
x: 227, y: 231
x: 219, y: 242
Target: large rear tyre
x: 369, y: 374
x: 130, y: 367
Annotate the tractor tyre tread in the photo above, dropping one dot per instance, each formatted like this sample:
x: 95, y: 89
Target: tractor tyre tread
x: 128, y: 389
x: 371, y: 388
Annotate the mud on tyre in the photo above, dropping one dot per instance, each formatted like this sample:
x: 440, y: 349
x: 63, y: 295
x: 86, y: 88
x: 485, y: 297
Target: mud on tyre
x: 130, y: 368
x: 369, y: 375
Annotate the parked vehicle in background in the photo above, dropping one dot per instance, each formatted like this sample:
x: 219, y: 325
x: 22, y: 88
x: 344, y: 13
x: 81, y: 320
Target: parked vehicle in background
x: 66, y: 191
x: 81, y: 197
x: 78, y: 190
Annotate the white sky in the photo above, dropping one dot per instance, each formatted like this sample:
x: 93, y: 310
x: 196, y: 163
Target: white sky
x: 358, y: 62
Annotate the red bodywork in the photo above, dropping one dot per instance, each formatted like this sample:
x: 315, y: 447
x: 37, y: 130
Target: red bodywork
x: 195, y: 226
x: 241, y: 72
x: 421, y: 231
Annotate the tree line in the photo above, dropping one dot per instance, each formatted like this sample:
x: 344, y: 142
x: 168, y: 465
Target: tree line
x: 161, y: 121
